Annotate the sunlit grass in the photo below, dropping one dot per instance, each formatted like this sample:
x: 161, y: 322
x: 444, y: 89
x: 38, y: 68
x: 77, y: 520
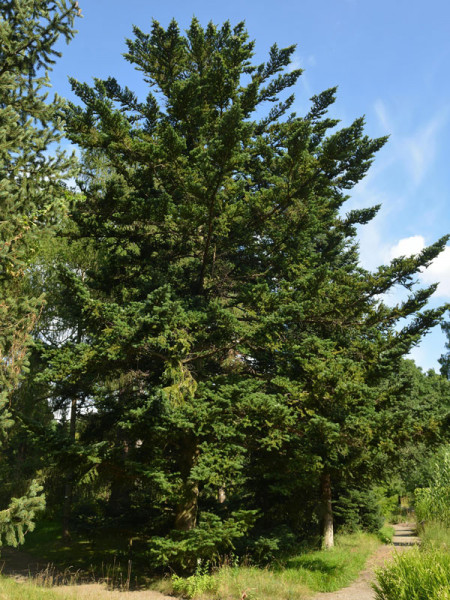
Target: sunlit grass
x: 11, y: 590
x: 296, y: 578
x: 416, y: 575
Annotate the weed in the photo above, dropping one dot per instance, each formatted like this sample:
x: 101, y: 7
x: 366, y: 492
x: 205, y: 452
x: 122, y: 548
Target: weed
x: 202, y: 582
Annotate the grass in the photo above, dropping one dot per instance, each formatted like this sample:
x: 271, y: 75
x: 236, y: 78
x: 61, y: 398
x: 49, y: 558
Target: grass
x: 435, y: 535
x: 415, y: 575
x: 80, y: 553
x: 420, y: 573
x: 386, y: 533
x: 11, y: 590
x: 295, y: 578
x: 108, y: 557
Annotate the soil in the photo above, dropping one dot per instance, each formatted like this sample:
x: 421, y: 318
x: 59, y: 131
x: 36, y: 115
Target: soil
x: 404, y: 538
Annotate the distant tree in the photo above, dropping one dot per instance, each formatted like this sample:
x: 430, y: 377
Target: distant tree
x: 31, y: 191
x: 445, y: 358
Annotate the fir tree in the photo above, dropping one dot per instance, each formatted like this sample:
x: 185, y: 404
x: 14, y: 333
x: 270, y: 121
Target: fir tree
x: 227, y: 318
x: 31, y: 189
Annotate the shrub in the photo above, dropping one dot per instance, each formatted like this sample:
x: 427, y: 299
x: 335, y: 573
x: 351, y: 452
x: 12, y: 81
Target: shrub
x: 211, y: 538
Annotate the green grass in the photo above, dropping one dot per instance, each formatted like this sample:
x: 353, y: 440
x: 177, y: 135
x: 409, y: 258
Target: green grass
x: 420, y: 573
x: 295, y: 578
x: 435, y: 535
x: 415, y: 575
x: 386, y: 533
x: 11, y: 590
x: 47, y: 544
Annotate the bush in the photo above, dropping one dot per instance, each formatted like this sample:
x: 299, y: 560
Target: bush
x: 264, y: 546
x: 357, y: 509
x: 415, y: 575
x: 212, y: 537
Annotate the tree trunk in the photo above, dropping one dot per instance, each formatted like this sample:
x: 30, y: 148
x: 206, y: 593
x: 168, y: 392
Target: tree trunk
x: 327, y: 512
x: 119, y: 498
x: 186, y: 515
x: 221, y: 495
x: 186, y: 511
x: 68, y: 488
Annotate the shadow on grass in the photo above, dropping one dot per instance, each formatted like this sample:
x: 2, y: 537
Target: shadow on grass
x: 311, y: 564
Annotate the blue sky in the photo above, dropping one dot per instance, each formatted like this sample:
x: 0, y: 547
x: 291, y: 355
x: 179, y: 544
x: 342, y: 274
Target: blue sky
x: 390, y: 61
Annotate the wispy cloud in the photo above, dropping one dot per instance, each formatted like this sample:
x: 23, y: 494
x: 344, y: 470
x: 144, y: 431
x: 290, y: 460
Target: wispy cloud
x: 303, y: 62
x: 415, y: 150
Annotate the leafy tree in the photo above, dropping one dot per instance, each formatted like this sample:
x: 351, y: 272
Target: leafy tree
x: 31, y: 190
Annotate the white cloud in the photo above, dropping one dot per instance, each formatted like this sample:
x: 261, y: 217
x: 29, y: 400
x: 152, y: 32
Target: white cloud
x: 381, y: 112
x: 296, y: 63
x: 407, y: 246
x: 437, y: 272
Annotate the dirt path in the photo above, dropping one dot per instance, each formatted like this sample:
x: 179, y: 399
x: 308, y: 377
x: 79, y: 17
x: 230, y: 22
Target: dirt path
x: 404, y: 538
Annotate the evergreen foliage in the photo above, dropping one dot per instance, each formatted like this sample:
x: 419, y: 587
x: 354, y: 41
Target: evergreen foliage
x: 232, y: 374
x: 31, y: 192
x: 234, y: 346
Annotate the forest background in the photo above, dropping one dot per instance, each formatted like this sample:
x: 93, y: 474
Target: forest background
x: 225, y: 374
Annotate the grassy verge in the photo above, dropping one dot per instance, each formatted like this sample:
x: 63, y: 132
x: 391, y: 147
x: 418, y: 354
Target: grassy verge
x: 435, y: 535
x: 386, y: 533
x: 297, y: 577
x: 416, y: 574
x: 420, y: 573
x: 11, y: 590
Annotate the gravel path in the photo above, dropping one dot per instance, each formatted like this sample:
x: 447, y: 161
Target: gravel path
x: 404, y: 538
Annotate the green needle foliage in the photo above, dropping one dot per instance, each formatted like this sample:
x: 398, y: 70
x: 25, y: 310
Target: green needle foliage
x: 236, y: 353
x: 31, y: 191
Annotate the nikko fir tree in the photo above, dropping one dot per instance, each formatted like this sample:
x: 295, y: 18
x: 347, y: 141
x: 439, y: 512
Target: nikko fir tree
x: 31, y: 190
x: 228, y: 325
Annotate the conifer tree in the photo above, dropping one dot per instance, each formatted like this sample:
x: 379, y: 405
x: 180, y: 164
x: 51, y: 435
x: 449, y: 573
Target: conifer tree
x: 31, y: 190
x: 228, y: 316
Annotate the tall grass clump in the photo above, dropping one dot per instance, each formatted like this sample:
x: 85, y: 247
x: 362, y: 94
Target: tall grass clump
x: 415, y: 575
x: 433, y: 503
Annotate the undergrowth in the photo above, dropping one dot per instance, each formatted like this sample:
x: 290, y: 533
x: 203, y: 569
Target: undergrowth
x: 415, y: 575
x: 420, y: 573
x: 296, y: 577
